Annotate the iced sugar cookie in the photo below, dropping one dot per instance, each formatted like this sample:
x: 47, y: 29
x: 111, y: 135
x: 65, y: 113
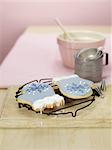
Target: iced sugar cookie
x: 40, y: 96
x: 74, y: 87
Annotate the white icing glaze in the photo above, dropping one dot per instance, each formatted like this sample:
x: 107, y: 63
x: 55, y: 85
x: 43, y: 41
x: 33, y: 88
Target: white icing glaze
x: 41, y: 104
x: 64, y: 77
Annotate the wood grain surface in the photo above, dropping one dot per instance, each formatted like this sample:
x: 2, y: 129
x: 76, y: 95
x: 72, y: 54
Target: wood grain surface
x: 3, y: 94
x: 56, y: 139
x: 32, y: 136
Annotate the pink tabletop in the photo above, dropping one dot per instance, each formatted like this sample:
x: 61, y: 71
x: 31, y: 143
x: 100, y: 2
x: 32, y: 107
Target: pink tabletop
x: 35, y: 56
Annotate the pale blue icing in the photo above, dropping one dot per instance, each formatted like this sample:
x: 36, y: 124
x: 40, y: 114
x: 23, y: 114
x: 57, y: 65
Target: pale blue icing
x: 35, y: 91
x: 75, y: 86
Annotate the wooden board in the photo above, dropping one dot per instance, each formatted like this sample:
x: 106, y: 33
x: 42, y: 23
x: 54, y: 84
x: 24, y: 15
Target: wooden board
x: 56, y: 139
x: 3, y: 93
x: 99, y: 114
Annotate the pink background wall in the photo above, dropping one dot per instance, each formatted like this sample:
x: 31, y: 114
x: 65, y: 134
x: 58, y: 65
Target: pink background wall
x: 16, y: 15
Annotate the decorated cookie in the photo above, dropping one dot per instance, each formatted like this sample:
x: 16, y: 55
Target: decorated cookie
x: 74, y: 87
x: 40, y: 96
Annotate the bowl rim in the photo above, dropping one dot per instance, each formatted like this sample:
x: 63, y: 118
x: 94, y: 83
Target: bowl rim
x: 102, y: 36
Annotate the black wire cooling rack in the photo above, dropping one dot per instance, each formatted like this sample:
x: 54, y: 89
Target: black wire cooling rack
x: 61, y: 110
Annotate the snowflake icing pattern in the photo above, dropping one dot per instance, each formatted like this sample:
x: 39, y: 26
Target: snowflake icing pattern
x: 75, y: 87
x: 37, y: 87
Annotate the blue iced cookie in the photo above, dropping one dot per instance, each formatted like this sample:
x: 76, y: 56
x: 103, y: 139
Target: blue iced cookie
x: 74, y: 87
x: 40, y: 96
